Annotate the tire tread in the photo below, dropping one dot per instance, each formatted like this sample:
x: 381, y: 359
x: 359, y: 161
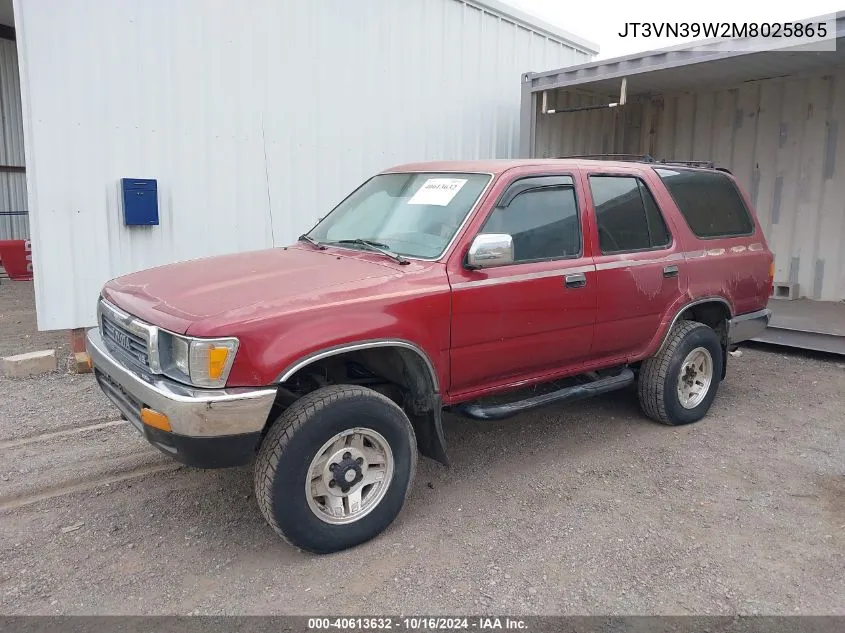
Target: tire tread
x: 653, y: 372
x: 282, y: 431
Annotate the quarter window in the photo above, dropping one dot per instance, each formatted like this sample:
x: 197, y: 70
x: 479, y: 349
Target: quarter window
x: 709, y: 201
x: 627, y: 215
x: 543, y: 222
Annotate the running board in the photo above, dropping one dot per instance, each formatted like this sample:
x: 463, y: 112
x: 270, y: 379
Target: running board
x: 577, y: 392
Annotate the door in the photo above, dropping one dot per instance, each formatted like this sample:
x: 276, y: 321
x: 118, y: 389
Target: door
x: 535, y: 314
x: 639, y: 265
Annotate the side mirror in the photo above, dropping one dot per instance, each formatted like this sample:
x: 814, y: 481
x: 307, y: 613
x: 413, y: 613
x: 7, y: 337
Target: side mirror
x: 490, y: 250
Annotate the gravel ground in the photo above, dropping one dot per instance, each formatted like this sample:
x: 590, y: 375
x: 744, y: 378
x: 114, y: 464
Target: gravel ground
x: 18, y: 331
x: 587, y: 508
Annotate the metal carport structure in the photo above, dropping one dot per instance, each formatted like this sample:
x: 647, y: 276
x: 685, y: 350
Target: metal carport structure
x: 774, y: 118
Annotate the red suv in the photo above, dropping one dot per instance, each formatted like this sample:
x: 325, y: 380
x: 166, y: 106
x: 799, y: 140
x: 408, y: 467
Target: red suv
x: 433, y: 286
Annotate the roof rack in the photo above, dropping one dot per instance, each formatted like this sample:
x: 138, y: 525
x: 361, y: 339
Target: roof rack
x: 637, y: 158
x: 709, y: 164
x: 645, y: 158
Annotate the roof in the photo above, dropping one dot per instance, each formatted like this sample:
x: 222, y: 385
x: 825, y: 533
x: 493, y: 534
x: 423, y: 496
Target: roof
x: 692, y: 66
x: 536, y: 24
x: 497, y: 167
x: 494, y: 167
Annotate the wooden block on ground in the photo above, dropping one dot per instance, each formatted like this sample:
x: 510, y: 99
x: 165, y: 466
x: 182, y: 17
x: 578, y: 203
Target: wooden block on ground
x: 82, y: 363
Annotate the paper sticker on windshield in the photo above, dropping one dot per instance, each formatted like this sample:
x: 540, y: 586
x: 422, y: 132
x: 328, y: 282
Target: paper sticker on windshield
x: 438, y: 191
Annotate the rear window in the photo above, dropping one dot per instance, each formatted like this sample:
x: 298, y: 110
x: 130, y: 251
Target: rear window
x: 709, y: 201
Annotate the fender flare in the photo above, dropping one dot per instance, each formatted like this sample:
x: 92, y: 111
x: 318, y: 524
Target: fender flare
x: 684, y: 308
x: 344, y: 348
x: 428, y: 426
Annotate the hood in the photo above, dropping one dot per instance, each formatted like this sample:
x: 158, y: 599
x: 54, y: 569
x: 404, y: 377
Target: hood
x: 178, y: 295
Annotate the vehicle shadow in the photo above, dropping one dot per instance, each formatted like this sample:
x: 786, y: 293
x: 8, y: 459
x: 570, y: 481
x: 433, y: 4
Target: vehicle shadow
x: 556, y: 432
x: 564, y: 429
x: 553, y: 434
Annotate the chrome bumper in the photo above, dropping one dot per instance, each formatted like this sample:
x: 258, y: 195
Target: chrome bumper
x: 747, y: 326
x: 192, y: 412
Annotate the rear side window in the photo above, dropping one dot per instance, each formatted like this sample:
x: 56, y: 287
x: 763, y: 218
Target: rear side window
x: 627, y: 215
x: 709, y: 201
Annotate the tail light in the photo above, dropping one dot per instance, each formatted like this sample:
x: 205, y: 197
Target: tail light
x: 771, y: 275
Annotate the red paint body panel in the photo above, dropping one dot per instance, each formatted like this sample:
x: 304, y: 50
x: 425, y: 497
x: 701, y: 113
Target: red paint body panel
x: 734, y: 269
x: 412, y: 305
x: 519, y: 319
x: 191, y: 294
x: 634, y: 295
x: 483, y: 331
x: 284, y: 304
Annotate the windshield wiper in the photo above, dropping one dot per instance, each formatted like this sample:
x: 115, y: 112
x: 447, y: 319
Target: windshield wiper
x: 311, y: 240
x: 375, y: 246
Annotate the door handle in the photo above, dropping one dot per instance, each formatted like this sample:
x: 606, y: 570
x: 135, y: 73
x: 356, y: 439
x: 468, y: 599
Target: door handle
x: 670, y: 271
x: 575, y: 280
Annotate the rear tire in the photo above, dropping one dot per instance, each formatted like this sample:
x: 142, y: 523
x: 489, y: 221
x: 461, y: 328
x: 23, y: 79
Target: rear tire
x: 335, y: 468
x: 678, y: 385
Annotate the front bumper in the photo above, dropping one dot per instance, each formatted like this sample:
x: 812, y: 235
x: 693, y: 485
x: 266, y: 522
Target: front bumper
x: 744, y: 327
x: 211, y: 428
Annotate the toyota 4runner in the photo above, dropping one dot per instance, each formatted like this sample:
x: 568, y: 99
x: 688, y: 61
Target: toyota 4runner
x: 434, y: 286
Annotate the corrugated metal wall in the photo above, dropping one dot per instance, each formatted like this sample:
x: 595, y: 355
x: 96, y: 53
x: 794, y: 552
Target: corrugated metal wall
x: 255, y: 117
x: 783, y: 138
x: 12, y: 183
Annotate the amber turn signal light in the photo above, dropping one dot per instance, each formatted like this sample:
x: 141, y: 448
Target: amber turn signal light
x: 155, y: 419
x: 217, y: 361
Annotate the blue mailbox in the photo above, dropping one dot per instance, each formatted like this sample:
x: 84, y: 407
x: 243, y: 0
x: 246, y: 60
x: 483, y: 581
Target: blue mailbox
x: 140, y: 201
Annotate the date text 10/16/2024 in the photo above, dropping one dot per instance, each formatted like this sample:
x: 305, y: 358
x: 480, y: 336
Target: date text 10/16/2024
x: 417, y: 623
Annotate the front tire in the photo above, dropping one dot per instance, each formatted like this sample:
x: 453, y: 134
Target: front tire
x: 678, y: 385
x: 335, y: 468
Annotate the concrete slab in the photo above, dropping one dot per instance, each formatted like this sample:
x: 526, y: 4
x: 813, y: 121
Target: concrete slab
x: 30, y: 364
x: 807, y: 324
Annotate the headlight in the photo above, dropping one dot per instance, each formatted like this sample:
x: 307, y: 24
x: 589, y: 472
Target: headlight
x: 200, y: 362
x: 180, y: 353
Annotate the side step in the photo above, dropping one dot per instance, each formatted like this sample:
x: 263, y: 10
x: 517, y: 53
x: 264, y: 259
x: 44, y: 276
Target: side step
x: 577, y: 392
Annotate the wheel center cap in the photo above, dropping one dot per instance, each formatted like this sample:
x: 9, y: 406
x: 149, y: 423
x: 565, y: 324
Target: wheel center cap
x: 345, y: 472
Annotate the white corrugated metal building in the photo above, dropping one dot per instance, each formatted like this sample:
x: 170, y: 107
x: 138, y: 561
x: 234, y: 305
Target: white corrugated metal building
x: 255, y: 118
x: 775, y: 119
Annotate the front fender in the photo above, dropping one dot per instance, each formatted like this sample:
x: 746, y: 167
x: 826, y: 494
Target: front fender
x: 271, y: 350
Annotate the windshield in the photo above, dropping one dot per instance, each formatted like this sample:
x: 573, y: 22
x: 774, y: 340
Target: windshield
x: 414, y: 214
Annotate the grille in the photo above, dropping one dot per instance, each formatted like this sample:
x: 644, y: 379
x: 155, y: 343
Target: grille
x: 130, y: 344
